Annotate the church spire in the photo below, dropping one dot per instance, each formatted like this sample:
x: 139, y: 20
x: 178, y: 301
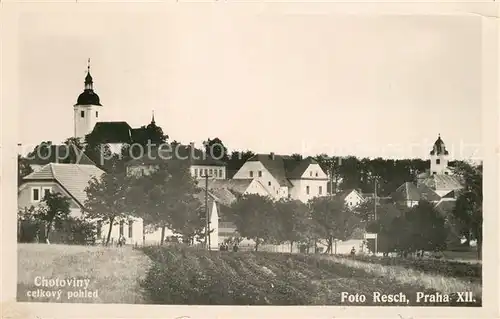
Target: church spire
x: 88, y: 79
x: 153, y: 117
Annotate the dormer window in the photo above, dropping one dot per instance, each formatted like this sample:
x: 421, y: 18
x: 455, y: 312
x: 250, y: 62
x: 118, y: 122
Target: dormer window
x: 310, y: 173
x: 251, y: 173
x: 260, y: 173
x: 316, y: 174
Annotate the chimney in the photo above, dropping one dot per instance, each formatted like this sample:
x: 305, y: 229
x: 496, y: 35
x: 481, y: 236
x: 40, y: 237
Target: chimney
x: 271, y: 155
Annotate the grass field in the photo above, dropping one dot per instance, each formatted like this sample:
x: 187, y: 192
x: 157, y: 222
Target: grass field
x: 179, y: 275
x: 114, y: 273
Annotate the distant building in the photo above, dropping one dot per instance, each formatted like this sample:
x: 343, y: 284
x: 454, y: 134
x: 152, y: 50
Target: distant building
x: 71, y: 180
x: 286, y: 176
x: 410, y: 194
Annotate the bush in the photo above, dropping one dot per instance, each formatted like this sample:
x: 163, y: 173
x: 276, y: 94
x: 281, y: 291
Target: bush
x: 74, y: 231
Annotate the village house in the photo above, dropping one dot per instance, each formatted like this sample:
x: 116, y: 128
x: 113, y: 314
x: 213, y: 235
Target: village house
x: 71, y: 180
x: 286, y: 176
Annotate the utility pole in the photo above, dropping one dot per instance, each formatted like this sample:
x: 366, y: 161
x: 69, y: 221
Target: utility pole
x: 375, y: 212
x: 207, y: 218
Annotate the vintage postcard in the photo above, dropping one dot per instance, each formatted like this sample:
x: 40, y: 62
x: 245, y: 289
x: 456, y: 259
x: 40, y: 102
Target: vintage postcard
x: 206, y: 158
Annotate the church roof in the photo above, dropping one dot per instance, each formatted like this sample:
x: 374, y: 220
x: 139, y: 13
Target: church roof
x: 88, y: 97
x: 113, y: 132
x: 442, y: 182
x: 73, y: 178
x: 439, y: 147
x: 411, y: 192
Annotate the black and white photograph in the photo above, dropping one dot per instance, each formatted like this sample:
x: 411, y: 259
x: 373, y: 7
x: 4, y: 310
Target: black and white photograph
x: 207, y: 154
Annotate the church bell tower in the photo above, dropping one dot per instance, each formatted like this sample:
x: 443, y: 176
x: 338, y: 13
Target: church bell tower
x: 439, y: 158
x: 86, y: 109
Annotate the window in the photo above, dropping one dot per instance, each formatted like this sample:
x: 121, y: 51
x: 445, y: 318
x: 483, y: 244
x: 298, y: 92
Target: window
x: 130, y: 227
x: 121, y: 228
x: 446, y: 173
x: 251, y: 173
x: 316, y: 174
x: 307, y: 190
x: 96, y: 114
x: 196, y: 172
x: 82, y: 113
x: 211, y: 172
x: 220, y: 173
x: 36, y: 194
x: 260, y: 173
x: 269, y: 183
x: 310, y: 173
x: 206, y: 172
x: 438, y: 161
x: 433, y: 173
x: 320, y: 191
x: 46, y: 192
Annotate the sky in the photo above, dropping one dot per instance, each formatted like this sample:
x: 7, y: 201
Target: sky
x: 364, y: 85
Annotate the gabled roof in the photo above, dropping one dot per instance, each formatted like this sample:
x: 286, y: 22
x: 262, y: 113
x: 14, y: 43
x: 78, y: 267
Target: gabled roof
x: 342, y: 195
x: 113, y: 132
x: 236, y: 185
x: 73, y: 178
x: 410, y: 192
x: 283, y: 167
x: 176, y: 152
x: 66, y: 154
x: 442, y: 182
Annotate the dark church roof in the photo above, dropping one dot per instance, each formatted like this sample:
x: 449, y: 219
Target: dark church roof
x: 88, y: 97
x: 113, y: 132
x: 439, y: 147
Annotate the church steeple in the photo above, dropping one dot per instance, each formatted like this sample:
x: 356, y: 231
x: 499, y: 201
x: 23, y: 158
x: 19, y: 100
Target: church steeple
x: 153, y: 118
x: 88, y: 79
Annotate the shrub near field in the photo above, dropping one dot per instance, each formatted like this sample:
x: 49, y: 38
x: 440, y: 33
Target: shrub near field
x: 186, y: 276
x: 469, y: 271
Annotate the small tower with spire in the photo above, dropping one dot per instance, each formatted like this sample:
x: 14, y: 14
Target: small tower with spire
x: 439, y: 158
x: 87, y: 108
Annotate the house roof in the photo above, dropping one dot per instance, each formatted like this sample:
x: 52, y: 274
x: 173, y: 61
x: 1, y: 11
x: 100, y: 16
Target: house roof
x: 112, y: 132
x: 236, y: 185
x: 342, y: 195
x: 175, y: 152
x: 73, y: 178
x: 283, y: 167
x: 411, y: 192
x: 442, y: 182
x: 66, y: 154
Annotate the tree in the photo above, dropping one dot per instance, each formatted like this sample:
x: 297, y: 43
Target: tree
x: 42, y: 150
x: 54, y: 209
x: 166, y: 198
x: 23, y: 169
x: 469, y: 204
x: 334, y: 219
x: 255, y: 218
x: 294, y: 221
x: 216, y: 149
x: 107, y: 198
x: 98, y: 152
x: 427, y: 231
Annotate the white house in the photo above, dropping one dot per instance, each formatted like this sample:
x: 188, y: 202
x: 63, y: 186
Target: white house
x: 71, y: 181
x: 352, y: 198
x: 285, y: 176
